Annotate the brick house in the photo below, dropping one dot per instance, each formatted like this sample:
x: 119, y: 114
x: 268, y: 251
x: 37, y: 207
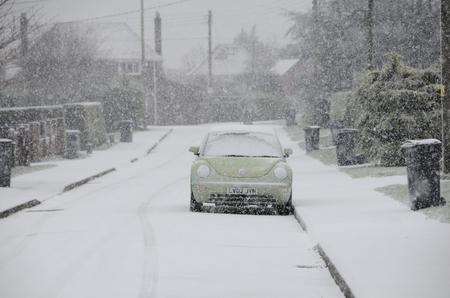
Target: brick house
x: 288, y: 72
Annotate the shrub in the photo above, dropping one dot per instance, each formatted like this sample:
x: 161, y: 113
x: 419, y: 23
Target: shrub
x: 271, y: 108
x: 89, y: 120
x: 123, y: 103
x: 393, y: 105
x: 338, y: 105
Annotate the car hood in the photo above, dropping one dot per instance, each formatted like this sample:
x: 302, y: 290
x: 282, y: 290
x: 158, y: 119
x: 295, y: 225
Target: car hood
x: 242, y: 167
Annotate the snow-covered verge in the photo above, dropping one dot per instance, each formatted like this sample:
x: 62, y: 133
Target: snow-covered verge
x: 379, y: 246
x: 43, y: 184
x: 392, y: 180
x: 399, y: 192
x: 327, y: 155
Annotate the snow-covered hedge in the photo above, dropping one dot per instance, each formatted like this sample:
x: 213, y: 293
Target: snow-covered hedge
x: 271, y: 108
x: 23, y: 115
x: 89, y: 120
x: 393, y: 105
x: 123, y: 103
x: 338, y: 105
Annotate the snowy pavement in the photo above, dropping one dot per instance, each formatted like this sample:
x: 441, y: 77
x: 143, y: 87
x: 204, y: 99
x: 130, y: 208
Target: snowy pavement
x: 41, y: 185
x: 131, y: 234
x: 380, y: 247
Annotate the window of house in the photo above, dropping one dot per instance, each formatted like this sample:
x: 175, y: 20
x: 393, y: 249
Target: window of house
x: 123, y: 67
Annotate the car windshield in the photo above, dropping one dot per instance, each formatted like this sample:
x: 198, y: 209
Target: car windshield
x: 242, y: 144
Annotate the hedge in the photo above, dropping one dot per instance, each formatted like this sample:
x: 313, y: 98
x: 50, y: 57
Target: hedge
x: 393, y: 105
x: 22, y: 115
x: 124, y: 103
x: 89, y: 120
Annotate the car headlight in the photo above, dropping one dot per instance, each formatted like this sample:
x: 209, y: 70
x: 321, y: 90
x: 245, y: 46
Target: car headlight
x: 280, y: 172
x: 203, y: 171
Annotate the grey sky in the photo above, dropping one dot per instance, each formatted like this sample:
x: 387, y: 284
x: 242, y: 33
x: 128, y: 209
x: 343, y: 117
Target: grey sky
x: 185, y: 23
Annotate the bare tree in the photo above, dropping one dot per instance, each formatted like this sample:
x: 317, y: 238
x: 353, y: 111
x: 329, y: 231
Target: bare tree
x: 13, y: 20
x: 63, y: 66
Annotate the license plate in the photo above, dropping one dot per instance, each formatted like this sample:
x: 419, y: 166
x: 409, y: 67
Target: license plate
x: 245, y: 191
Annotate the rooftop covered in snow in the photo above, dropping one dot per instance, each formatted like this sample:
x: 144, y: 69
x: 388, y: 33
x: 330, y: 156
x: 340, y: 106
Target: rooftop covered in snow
x: 228, y: 60
x: 114, y: 41
x: 283, y: 66
x: 219, y: 128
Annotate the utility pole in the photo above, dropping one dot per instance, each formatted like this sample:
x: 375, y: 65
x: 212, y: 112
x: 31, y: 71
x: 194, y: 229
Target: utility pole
x: 445, y: 45
x: 157, y: 66
x: 314, y: 103
x: 253, y: 61
x: 23, y: 35
x: 143, y: 65
x: 315, y: 16
x: 369, y: 25
x: 210, y: 20
x: 24, y: 50
x: 142, y: 33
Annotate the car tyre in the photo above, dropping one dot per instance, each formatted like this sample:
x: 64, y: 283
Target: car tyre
x: 195, y: 206
x: 287, y: 209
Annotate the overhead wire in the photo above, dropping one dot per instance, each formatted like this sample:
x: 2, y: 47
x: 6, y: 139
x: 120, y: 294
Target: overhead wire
x: 192, y: 18
x: 192, y: 15
x: 124, y: 13
x: 25, y: 2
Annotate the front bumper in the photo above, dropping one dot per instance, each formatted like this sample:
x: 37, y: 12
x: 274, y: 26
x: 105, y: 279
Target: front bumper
x: 215, y: 194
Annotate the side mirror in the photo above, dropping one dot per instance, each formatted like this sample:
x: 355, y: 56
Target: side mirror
x: 195, y: 150
x: 288, y: 152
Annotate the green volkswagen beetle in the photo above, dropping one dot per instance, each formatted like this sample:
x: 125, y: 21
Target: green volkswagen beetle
x: 241, y: 169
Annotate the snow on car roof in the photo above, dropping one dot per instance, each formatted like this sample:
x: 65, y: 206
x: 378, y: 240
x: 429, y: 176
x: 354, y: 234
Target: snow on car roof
x: 243, y: 128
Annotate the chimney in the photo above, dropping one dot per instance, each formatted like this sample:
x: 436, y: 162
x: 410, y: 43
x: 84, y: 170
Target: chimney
x: 23, y: 35
x: 158, y: 35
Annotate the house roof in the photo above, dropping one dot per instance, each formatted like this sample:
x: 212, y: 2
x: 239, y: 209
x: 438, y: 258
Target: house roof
x: 10, y: 71
x: 115, y: 41
x: 8, y: 53
x: 227, y: 60
x: 283, y: 66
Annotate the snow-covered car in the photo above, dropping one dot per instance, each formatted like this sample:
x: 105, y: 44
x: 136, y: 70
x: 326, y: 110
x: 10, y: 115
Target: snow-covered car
x: 241, y: 169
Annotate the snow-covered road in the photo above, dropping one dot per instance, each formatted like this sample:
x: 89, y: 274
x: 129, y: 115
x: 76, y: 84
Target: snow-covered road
x: 131, y: 234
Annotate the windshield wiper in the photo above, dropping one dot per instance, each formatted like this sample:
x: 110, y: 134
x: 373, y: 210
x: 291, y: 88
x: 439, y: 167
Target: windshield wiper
x: 234, y: 155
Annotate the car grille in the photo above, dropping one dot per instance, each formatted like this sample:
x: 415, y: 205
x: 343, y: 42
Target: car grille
x: 226, y: 200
